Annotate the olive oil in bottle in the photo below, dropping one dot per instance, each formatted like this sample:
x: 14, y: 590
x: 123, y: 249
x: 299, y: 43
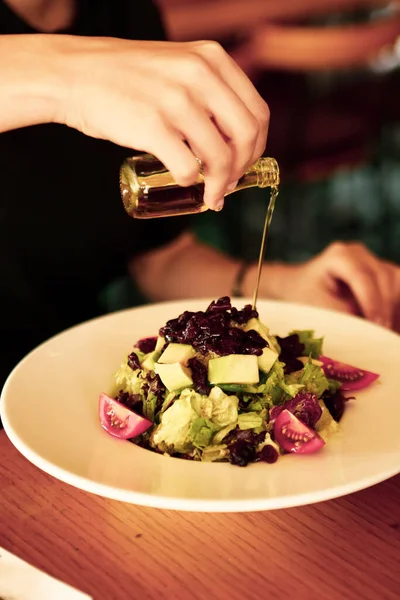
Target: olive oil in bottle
x: 149, y: 191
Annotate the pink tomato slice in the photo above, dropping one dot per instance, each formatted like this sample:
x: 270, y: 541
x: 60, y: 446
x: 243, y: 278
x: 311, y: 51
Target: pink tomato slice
x: 351, y: 378
x: 293, y: 436
x: 120, y: 421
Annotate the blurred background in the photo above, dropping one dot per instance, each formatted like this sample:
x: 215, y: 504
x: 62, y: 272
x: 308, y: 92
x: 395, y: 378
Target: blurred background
x: 330, y: 72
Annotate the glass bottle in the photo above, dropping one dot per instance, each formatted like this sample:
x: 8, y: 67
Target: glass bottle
x: 148, y: 189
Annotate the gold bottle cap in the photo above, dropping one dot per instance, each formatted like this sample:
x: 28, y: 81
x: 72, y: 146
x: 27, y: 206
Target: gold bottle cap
x: 129, y: 187
x: 267, y: 172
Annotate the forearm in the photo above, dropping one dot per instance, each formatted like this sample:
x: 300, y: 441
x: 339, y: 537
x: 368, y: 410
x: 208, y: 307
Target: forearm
x: 187, y: 268
x: 183, y: 269
x: 31, y: 80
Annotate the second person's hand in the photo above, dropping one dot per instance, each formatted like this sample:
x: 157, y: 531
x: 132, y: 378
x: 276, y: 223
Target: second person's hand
x: 346, y: 277
x: 177, y: 101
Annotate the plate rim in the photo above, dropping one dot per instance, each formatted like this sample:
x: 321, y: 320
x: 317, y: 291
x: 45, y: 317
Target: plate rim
x: 188, y: 505
x: 179, y: 503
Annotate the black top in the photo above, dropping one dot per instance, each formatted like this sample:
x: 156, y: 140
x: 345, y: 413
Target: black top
x: 63, y: 230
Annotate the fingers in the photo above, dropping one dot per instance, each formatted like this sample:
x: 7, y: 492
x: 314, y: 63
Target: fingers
x: 172, y: 151
x: 367, y: 278
x: 354, y: 270
x: 193, y: 124
x: 341, y: 294
x: 237, y: 124
x: 238, y: 82
x: 235, y: 108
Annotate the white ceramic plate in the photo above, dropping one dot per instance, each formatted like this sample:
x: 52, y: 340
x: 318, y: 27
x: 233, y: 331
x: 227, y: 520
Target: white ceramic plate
x: 49, y: 411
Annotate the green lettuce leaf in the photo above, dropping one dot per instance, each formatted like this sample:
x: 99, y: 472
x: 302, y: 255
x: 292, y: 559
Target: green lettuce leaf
x: 172, y: 434
x: 201, y: 404
x: 269, y: 392
x: 222, y: 433
x: 218, y: 408
x: 291, y: 389
x: 256, y: 405
x: 326, y: 424
x: 312, y: 345
x: 333, y: 385
x: 149, y: 406
x: 294, y: 377
x: 128, y: 380
x: 168, y: 400
x: 236, y: 388
x: 209, y: 415
x: 224, y: 408
x: 272, y: 389
x: 214, y: 453
x: 313, y: 379
x: 250, y: 420
x: 259, y: 403
x: 201, y: 432
x: 278, y: 369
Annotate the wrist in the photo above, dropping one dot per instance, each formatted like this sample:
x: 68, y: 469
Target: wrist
x: 33, y: 81
x: 276, y: 278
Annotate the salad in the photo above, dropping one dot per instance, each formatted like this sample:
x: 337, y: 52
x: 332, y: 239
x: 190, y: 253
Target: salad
x: 215, y: 385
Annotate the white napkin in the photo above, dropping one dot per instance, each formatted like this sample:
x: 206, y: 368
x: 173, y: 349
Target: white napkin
x: 21, y: 581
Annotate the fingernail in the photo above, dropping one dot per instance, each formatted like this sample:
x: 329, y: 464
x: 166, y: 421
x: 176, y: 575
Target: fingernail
x: 219, y: 206
x: 231, y: 186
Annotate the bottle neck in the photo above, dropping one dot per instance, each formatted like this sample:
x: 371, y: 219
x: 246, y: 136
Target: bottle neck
x: 249, y: 180
x: 264, y: 173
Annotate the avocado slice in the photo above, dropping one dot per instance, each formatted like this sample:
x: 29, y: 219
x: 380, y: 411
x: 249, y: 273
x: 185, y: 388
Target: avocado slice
x: 150, y: 360
x: 160, y: 344
x: 174, y: 376
x: 267, y: 359
x: 177, y: 353
x: 234, y: 368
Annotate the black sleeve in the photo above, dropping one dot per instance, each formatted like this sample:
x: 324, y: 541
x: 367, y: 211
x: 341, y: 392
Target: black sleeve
x: 142, y: 21
x: 138, y: 20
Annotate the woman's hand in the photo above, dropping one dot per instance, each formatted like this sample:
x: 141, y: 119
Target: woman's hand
x: 345, y: 277
x: 177, y: 101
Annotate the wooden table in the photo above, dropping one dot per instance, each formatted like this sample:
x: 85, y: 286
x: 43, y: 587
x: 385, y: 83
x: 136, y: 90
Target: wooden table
x: 342, y: 549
